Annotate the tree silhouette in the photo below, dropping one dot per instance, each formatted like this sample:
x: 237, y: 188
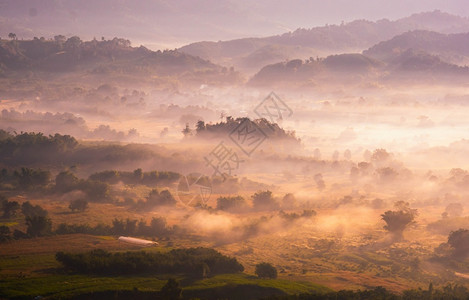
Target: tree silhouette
x: 30, y: 210
x: 66, y: 181
x: 32, y: 177
x: 79, y: 205
x: 200, y: 126
x: 398, y: 220
x: 171, y: 290
x: 231, y: 203
x: 266, y: 270
x: 187, y: 131
x: 264, y: 200
x: 12, y: 35
x: 459, y: 241
x: 73, y: 42
x: 4, y: 233
x: 9, y: 207
x: 38, y: 226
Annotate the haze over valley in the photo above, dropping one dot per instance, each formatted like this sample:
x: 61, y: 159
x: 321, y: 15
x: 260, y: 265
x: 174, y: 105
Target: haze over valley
x: 204, y: 157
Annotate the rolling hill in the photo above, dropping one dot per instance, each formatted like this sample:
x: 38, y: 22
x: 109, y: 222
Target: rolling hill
x: 107, y: 58
x: 322, y: 41
x: 410, y: 66
x: 452, y: 48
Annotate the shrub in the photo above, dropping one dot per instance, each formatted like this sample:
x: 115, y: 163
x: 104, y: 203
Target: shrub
x: 459, y: 241
x: 171, y: 290
x: 9, y: 208
x: 264, y: 200
x: 79, y: 205
x: 66, y: 181
x: 160, y: 199
x: 266, y: 270
x: 231, y: 203
x: 4, y: 233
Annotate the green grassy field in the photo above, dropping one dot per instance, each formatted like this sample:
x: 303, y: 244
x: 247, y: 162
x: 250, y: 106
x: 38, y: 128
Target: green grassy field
x: 63, y: 286
x: 34, y: 271
x: 286, y: 286
x: 55, y: 286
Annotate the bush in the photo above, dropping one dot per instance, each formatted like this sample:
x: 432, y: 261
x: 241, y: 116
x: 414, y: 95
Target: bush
x: 171, y: 290
x: 99, y: 229
x: 158, y: 226
x: 231, y: 203
x: 28, y: 178
x: 66, y: 181
x: 264, y: 200
x: 95, y: 190
x: 307, y: 213
x: 160, y: 199
x: 9, y: 208
x: 111, y: 176
x: 166, y: 198
x: 4, y: 233
x: 266, y: 270
x: 289, y: 201
x: 79, y: 205
x: 459, y: 241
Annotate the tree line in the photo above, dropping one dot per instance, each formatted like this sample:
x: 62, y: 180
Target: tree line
x: 199, y: 262
x: 31, y: 148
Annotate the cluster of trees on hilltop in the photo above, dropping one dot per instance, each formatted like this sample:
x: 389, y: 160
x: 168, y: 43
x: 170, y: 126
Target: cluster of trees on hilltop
x: 272, y: 130
x: 198, y: 262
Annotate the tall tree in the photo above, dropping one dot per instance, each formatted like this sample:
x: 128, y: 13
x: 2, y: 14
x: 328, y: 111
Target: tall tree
x: 398, y: 220
x: 38, y: 226
x: 171, y: 290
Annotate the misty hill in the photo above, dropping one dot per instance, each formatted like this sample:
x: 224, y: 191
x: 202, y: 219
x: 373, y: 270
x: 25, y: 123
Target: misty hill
x: 113, y: 57
x: 350, y: 37
x: 450, y: 47
x: 359, y: 68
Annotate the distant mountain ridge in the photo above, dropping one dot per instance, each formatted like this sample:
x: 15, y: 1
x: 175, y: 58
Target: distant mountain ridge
x: 354, y: 36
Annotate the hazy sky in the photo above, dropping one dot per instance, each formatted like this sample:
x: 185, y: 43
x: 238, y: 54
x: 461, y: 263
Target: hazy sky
x: 172, y: 23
